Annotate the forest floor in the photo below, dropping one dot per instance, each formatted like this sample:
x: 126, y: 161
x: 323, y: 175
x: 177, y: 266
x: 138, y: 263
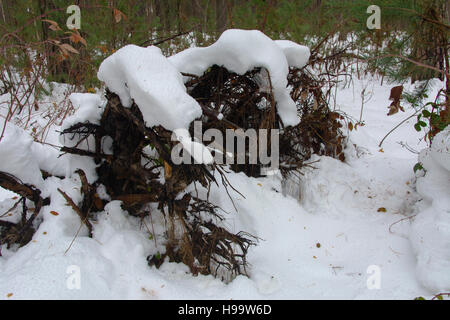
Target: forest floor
x: 327, y: 240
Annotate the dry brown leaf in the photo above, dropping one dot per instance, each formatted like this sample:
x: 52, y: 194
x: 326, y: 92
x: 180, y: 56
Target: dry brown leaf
x: 118, y: 15
x: 68, y: 48
x: 98, y: 202
x: 350, y: 126
x: 167, y: 171
x: 53, y: 25
x: 316, y: 105
x: 75, y: 37
x: 103, y: 49
x: 396, y: 95
x: 54, y: 213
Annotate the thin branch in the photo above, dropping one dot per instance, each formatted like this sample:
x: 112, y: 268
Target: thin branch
x: 420, y: 64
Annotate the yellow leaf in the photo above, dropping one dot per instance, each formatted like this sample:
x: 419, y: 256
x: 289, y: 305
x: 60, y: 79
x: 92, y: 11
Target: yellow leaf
x: 382, y: 209
x: 167, y: 171
x: 259, y: 184
x: 381, y: 150
x: 103, y: 49
x: 9, y: 295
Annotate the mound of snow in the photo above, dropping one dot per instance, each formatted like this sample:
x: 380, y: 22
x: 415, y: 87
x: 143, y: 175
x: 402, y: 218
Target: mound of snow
x: 240, y: 51
x: 430, y: 233
x: 16, y: 156
x: 145, y: 76
x: 156, y: 86
x: 89, y: 107
x: 24, y: 158
x: 296, y: 55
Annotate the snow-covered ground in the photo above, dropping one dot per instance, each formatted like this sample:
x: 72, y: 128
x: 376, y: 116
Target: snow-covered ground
x: 326, y: 239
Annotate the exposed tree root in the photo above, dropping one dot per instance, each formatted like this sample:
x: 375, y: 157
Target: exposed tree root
x: 140, y: 169
x: 134, y: 176
x: 22, y: 232
x: 244, y: 104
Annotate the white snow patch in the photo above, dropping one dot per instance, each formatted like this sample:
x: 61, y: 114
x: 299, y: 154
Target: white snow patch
x: 16, y: 157
x: 145, y: 76
x: 197, y: 150
x: 296, y: 55
x: 430, y: 233
x: 89, y: 107
x: 240, y: 51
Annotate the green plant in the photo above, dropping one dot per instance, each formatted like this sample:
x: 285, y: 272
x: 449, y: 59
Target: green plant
x: 431, y: 120
x: 439, y: 296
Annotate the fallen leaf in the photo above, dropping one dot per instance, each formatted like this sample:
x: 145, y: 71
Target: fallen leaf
x: 98, y: 202
x: 167, y: 171
x: 396, y: 95
x: 350, y: 126
x: 9, y: 295
x: 103, y: 49
x: 54, y: 213
x: 318, y: 245
x: 382, y: 209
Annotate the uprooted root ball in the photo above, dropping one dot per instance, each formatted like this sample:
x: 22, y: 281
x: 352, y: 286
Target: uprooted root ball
x: 135, y: 177
x: 139, y: 170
